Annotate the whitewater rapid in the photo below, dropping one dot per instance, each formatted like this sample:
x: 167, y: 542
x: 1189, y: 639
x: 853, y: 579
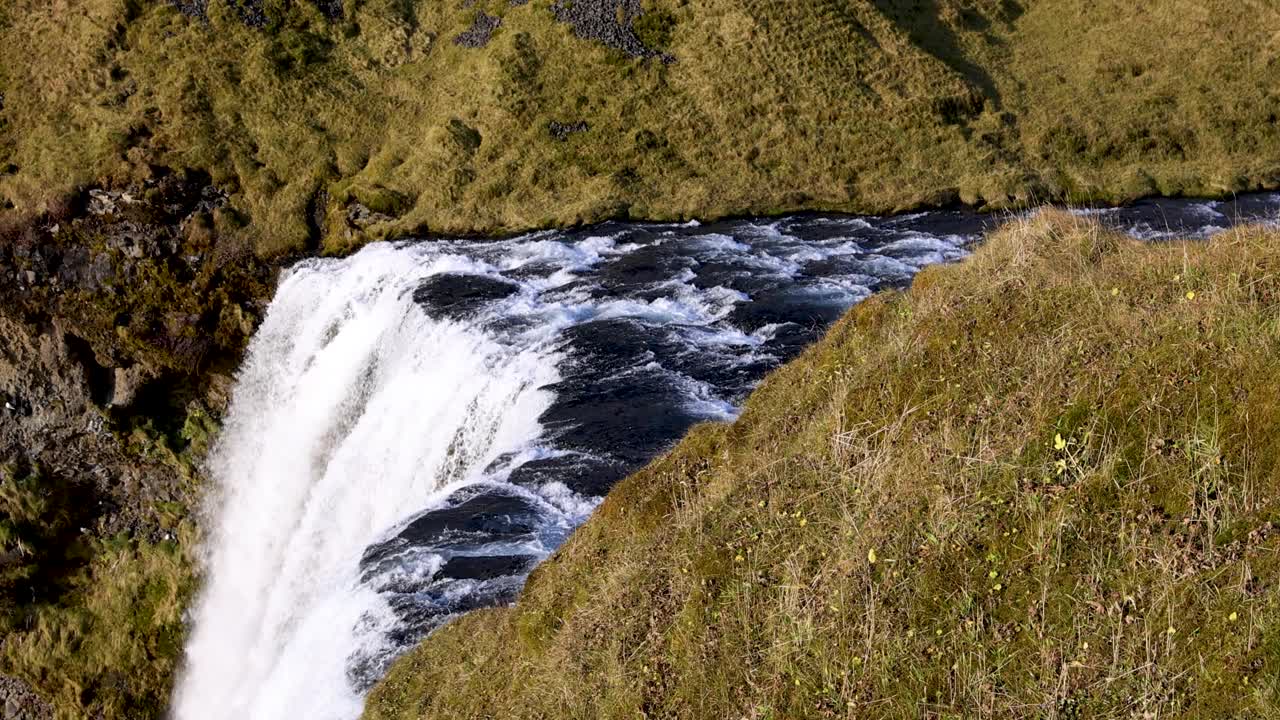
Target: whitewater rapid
x: 416, y: 426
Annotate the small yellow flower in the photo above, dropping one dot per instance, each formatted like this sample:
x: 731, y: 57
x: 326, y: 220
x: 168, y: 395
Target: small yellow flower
x: 992, y: 574
x: 738, y: 558
x: 1191, y: 294
x: 1171, y: 631
x: 1115, y: 291
x: 871, y: 556
x: 803, y: 522
x: 1232, y: 617
x: 1059, y: 443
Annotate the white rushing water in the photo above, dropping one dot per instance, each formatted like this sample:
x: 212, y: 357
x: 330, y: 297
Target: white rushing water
x: 352, y: 411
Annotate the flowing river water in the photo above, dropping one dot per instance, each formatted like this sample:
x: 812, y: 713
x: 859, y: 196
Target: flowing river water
x: 416, y: 426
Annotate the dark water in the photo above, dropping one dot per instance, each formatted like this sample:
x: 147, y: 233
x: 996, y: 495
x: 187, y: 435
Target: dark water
x: 654, y: 328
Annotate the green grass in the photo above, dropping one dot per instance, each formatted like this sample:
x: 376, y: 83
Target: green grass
x: 861, y: 105
x: 95, y: 623
x: 109, y: 648
x: 1042, y: 483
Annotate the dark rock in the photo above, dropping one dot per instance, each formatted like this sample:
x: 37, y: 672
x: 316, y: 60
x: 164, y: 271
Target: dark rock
x: 192, y: 8
x: 251, y: 12
x: 458, y: 296
x: 331, y: 9
x: 101, y: 202
x: 561, y: 131
x: 98, y: 304
x: 486, y: 567
x: 473, y: 516
x: 482, y: 27
x: 475, y: 573
x: 85, y: 269
x: 610, y: 22
x: 583, y: 474
x: 776, y: 307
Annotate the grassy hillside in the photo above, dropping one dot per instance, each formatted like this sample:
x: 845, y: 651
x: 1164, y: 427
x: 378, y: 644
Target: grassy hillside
x: 1042, y: 483
x: 496, y: 115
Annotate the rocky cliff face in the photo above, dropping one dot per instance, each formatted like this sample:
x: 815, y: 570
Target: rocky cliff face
x: 117, y: 315
x: 119, y: 327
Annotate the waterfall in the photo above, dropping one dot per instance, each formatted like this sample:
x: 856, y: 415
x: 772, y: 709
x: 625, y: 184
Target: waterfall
x: 353, y: 410
x: 416, y: 426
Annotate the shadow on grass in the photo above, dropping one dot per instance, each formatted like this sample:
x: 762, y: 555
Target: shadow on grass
x: 923, y: 23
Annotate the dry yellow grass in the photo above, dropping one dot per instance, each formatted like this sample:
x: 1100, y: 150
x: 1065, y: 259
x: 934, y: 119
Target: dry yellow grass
x: 859, y: 105
x: 1042, y: 483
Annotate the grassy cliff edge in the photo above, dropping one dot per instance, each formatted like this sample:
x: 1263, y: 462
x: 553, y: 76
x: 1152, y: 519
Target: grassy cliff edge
x: 1040, y: 483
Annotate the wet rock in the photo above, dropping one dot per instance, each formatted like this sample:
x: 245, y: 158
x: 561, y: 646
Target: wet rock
x: 778, y: 307
x: 477, y: 533
x: 616, y: 419
x: 583, y: 474
x: 473, y: 516
x: 486, y: 567
x: 481, y: 30
x: 458, y: 296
